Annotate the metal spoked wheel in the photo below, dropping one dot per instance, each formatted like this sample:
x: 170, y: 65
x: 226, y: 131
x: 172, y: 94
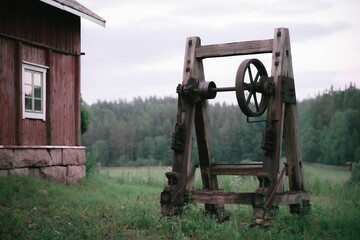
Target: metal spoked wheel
x: 249, y: 86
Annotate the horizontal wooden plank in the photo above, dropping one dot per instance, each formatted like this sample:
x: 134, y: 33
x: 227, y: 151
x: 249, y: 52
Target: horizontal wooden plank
x: 254, y: 199
x: 292, y: 197
x: 249, y: 169
x: 234, y: 49
x: 221, y: 197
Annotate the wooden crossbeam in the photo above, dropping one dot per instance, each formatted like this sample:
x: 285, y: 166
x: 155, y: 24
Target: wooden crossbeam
x: 237, y: 169
x: 254, y: 199
x: 221, y: 197
x: 234, y: 49
x: 292, y: 197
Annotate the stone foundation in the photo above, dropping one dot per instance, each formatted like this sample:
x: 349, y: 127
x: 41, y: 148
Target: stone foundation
x: 58, y: 163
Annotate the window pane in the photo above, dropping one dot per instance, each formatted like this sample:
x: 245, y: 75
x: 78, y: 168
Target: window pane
x: 27, y: 77
x: 28, y: 104
x: 37, y: 104
x: 28, y: 90
x: 33, y: 86
x: 37, y: 78
x: 37, y: 91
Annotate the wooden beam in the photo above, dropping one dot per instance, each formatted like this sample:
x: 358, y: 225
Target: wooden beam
x: 18, y: 93
x: 77, y: 101
x: 275, y: 110
x: 250, y: 169
x: 204, y: 139
x: 274, y: 120
x: 255, y: 199
x: 49, y: 97
x: 234, y: 49
x: 182, y: 165
x: 221, y: 197
x: 36, y: 44
x: 292, y: 197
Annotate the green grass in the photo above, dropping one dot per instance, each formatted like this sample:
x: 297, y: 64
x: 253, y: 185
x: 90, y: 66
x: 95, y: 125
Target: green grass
x: 123, y: 203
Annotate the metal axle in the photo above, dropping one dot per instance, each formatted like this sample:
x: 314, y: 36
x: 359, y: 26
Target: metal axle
x: 223, y: 89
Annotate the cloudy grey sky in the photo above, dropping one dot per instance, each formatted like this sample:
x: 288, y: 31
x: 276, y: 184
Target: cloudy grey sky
x: 141, y: 50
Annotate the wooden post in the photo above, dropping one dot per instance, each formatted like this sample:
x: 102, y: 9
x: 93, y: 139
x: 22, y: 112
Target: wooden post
x: 77, y: 101
x: 281, y: 64
x: 186, y: 109
x: 180, y: 180
x: 291, y: 133
x: 49, y: 97
x: 204, y: 142
x: 18, y: 93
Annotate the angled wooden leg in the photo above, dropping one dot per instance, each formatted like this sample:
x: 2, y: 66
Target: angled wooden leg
x: 204, y: 141
x: 180, y: 180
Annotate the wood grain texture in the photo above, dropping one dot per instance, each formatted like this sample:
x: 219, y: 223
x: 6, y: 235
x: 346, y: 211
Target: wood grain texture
x: 234, y: 49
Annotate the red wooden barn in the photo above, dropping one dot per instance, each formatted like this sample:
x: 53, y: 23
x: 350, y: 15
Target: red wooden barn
x: 40, y: 88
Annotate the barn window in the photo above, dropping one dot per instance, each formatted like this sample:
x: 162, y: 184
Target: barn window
x: 34, y: 90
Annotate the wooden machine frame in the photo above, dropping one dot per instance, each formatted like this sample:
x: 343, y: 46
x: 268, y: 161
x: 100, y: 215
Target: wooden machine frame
x: 281, y: 127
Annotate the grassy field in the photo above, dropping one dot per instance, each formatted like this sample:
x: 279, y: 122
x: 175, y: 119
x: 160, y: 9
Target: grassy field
x: 123, y: 203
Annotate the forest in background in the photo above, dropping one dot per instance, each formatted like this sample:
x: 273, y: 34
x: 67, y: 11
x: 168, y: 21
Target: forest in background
x: 138, y: 133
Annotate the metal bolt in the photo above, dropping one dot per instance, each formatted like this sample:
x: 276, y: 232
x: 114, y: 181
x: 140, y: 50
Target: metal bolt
x: 279, y: 34
x: 277, y: 54
x: 276, y: 63
x: 187, y: 69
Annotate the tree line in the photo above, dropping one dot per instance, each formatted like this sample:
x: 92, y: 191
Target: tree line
x: 136, y: 133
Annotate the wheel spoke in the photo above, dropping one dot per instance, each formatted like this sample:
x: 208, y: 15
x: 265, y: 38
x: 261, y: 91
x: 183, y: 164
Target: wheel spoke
x: 250, y: 75
x: 248, y: 99
x: 256, y: 103
x: 257, y: 76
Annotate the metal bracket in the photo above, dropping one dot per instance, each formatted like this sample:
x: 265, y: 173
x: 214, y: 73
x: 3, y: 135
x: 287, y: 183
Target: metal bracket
x: 178, y: 138
x: 288, y: 90
x: 190, y: 89
x: 269, y: 139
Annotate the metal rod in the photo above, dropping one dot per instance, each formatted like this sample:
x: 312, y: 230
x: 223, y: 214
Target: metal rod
x: 223, y: 89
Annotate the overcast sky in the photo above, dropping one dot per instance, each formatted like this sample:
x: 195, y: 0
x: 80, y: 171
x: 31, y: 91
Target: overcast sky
x: 140, y: 52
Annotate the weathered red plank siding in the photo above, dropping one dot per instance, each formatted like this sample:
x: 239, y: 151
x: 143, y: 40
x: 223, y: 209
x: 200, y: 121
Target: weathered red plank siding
x: 57, y: 109
x: 70, y: 108
x: 77, y: 103
x: 35, y: 32
x: 38, y: 22
x: 34, y: 55
x: 62, y: 93
x: 7, y: 92
x: 34, y: 131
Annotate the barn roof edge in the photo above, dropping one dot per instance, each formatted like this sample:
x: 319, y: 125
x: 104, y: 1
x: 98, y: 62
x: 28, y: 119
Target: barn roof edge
x: 76, y: 8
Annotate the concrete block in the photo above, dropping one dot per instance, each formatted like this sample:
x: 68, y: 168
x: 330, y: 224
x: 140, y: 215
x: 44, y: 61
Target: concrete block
x: 6, y: 158
x: 55, y: 173
x: 75, y: 174
x: 73, y: 156
x: 19, y: 171
x: 31, y: 158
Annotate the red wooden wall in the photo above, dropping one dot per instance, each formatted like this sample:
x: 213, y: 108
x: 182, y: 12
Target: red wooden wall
x: 38, y: 33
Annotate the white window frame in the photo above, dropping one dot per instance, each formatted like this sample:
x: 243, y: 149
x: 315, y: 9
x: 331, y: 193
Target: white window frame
x: 35, y: 68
